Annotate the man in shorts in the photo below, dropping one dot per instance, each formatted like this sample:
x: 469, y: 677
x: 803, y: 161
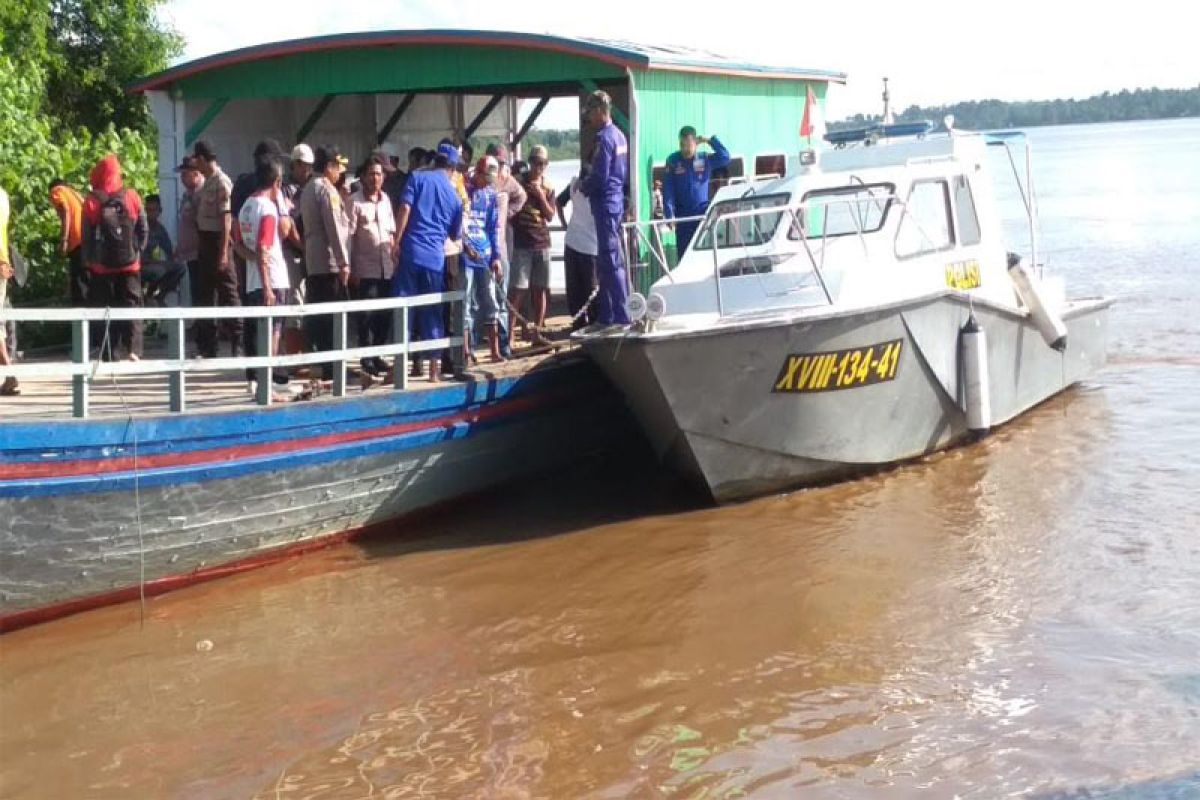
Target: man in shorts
x: 531, y: 245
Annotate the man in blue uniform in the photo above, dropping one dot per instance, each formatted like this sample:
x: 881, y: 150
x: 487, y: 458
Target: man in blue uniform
x: 430, y: 213
x: 605, y: 189
x: 685, y: 188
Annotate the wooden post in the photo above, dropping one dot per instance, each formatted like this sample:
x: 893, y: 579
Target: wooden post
x: 177, y: 349
x: 80, y: 348
x: 400, y: 364
x: 262, y: 344
x: 339, y: 343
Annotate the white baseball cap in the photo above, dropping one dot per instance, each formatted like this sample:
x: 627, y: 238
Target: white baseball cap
x: 303, y: 153
x: 389, y: 149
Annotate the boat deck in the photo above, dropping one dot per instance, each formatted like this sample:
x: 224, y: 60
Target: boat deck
x: 224, y: 390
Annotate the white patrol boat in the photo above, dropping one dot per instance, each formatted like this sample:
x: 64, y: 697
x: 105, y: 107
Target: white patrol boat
x: 858, y: 312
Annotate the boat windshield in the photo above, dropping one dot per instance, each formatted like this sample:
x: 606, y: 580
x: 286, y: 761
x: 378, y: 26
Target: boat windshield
x: 745, y: 231
x: 845, y: 210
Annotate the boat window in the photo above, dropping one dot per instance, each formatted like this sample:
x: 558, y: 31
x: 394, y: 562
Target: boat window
x: 964, y: 212
x: 744, y: 231
x: 925, y: 221
x: 845, y: 211
x: 771, y: 165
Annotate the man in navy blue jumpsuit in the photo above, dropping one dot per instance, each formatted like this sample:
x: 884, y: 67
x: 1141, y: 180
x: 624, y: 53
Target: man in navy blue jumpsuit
x: 605, y: 189
x: 686, y: 181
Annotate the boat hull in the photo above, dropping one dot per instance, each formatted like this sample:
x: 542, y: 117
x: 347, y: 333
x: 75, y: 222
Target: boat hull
x: 216, y: 492
x: 761, y: 406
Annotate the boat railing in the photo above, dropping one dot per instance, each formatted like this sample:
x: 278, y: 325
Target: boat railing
x: 82, y: 369
x: 646, y: 235
x: 794, y: 210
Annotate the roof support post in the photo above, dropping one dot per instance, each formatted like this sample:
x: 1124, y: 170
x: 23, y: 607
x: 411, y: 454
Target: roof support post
x: 314, y: 117
x: 390, y: 125
x: 531, y: 119
x: 210, y: 113
x: 618, y: 115
x: 469, y: 131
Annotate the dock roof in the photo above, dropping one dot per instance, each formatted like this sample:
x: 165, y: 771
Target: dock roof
x: 440, y: 59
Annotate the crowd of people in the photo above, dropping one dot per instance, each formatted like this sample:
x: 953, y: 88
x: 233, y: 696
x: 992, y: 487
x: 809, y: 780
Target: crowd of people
x: 300, y: 228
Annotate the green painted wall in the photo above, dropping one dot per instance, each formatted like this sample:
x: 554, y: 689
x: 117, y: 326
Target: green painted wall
x: 752, y: 116
x: 392, y: 69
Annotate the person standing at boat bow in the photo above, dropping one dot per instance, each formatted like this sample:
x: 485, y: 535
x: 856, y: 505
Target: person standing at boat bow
x: 605, y: 188
x: 687, y: 179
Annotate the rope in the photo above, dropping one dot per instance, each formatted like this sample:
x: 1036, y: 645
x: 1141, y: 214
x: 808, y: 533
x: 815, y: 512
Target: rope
x: 540, y: 329
x: 106, y: 346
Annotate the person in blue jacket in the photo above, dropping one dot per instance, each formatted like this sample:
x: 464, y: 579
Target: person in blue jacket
x: 430, y: 213
x: 605, y: 189
x: 686, y: 181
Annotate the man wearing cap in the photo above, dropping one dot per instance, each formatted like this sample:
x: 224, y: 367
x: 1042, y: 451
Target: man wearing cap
x: 326, y: 256
x: 393, y: 176
x: 481, y: 256
x: 686, y: 182
x: 299, y: 174
x: 531, y: 242
x: 510, y: 199
x: 605, y: 188
x: 217, y: 282
x: 187, y: 248
x: 431, y: 213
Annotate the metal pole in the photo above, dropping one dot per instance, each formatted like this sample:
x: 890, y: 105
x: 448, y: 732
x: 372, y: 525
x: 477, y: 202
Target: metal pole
x: 339, y: 364
x: 717, y: 275
x: 1033, y: 242
x: 458, y: 312
x: 262, y: 344
x: 80, y: 348
x: 400, y: 364
x: 176, y: 342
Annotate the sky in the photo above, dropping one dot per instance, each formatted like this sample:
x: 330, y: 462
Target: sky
x: 932, y: 51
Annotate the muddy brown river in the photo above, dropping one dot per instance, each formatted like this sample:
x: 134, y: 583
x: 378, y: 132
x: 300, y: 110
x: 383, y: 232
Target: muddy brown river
x: 1015, y: 618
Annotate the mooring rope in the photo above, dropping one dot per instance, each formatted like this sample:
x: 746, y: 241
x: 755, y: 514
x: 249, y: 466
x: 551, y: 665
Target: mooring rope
x: 106, y: 345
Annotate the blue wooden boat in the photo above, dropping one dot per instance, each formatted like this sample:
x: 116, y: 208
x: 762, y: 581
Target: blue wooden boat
x: 102, y: 510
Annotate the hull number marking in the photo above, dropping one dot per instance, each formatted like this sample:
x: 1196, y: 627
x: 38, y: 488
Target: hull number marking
x: 963, y: 275
x: 839, y: 369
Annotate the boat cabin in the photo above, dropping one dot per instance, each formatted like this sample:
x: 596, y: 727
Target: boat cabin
x: 865, y: 224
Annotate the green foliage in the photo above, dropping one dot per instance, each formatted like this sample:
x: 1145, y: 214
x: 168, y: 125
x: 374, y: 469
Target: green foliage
x: 87, y: 51
x: 63, y: 67
x: 562, y: 145
x: 33, y: 153
x: 1107, y: 107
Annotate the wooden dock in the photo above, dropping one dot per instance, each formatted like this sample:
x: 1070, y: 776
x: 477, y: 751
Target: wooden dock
x: 142, y: 395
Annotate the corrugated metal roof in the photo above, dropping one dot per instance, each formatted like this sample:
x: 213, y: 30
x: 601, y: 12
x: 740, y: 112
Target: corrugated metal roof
x: 619, y: 53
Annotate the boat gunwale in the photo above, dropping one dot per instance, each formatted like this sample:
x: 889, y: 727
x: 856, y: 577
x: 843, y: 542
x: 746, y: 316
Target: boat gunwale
x: 739, y: 324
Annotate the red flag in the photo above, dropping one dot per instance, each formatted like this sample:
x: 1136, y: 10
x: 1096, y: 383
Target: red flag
x: 812, y: 124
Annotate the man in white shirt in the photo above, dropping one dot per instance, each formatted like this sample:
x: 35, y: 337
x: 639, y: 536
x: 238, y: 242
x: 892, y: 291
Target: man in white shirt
x: 372, y: 259
x: 579, y: 254
x: 258, y: 239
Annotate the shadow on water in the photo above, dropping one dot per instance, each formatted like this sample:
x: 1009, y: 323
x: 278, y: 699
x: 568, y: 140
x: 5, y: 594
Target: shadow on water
x: 621, y: 483
x: 1183, y: 787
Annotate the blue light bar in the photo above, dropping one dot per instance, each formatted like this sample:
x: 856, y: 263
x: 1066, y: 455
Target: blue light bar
x: 892, y: 131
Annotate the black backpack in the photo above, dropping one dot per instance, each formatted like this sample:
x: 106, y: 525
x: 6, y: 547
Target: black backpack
x: 116, y: 246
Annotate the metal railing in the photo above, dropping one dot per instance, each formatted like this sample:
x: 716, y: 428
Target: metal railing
x: 83, y: 370
x: 794, y: 210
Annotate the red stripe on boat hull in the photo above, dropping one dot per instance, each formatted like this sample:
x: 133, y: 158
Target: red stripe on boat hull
x: 24, y: 470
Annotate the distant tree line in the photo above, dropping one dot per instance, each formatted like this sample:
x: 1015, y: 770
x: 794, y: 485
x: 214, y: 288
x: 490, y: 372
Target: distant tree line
x: 1123, y: 106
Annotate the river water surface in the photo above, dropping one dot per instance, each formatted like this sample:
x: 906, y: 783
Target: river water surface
x: 1017, y: 618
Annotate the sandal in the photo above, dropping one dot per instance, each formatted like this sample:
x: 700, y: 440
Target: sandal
x: 10, y: 387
